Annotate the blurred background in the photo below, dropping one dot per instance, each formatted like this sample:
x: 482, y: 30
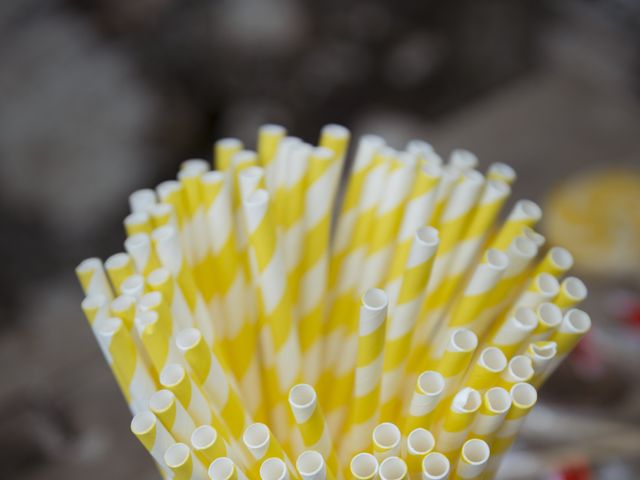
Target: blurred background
x: 98, y: 98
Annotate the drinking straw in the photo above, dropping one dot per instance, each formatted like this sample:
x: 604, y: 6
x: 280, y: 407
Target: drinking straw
x: 523, y: 398
x: 93, y: 279
x: 324, y: 170
x: 119, y: 267
x: 457, y: 421
x: 209, y: 373
x: 474, y: 458
x: 510, y: 334
x: 429, y: 390
x: 336, y: 138
x: 138, y: 222
x: 161, y: 281
x: 463, y: 160
x: 155, y: 438
x: 133, y: 286
x: 279, y: 187
x: 501, y: 172
x: 417, y: 212
x: 312, y: 424
x: 185, y: 466
x: 364, y: 410
x: 142, y: 200
x: 124, y: 307
x: 525, y: 213
x: 534, y: 236
x: 279, y: 335
x: 171, y: 192
x: 435, y: 466
x: 393, y: 468
x: 519, y: 369
x: 223, y: 468
x: 496, y: 402
x: 389, y: 212
x: 363, y: 466
x: 274, y: 469
x: 156, y: 340
x: 162, y: 214
x: 556, y: 262
x: 311, y: 466
x: 572, y: 292
x: 575, y: 324
x: 123, y: 358
x: 542, y: 288
x: 549, y: 317
x: 450, y: 175
x: 173, y: 415
x: 485, y: 371
x: 387, y: 441
x: 542, y: 354
x: 224, y: 150
x: 421, y: 149
x: 420, y: 442
x: 403, y: 318
x: 262, y: 444
x: 269, y: 138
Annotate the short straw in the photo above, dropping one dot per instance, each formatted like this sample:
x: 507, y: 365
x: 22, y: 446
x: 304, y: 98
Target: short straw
x: 185, y: 466
x: 435, y: 466
x: 420, y: 442
x: 542, y: 354
x: 501, y: 172
x: 549, y: 317
x: 474, y: 459
x: 364, y: 466
x: 542, y: 288
x: 393, y: 468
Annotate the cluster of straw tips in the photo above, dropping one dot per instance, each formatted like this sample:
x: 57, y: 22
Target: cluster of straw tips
x: 293, y: 315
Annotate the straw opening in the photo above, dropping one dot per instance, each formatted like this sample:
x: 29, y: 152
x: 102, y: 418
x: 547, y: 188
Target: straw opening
x: 259, y: 197
x: 123, y: 302
x: 302, y: 395
x: 544, y: 351
x: 550, y: 314
x: 188, y: 338
x: 273, y: 469
x: 93, y: 301
x: 221, y: 468
x: 499, y: 186
x: 161, y: 400
x: 133, y: 284
x: 203, y: 437
x: 158, y: 276
x: 393, y: 468
x: 420, y: 441
x: 386, y: 435
x: 496, y: 259
x: 143, y: 422
x: 503, y: 170
x: 526, y: 318
x: 335, y: 130
x: 117, y: 260
x: 256, y: 436
x: 578, y: 321
x: 525, y: 247
x: 375, y: 299
x: 427, y: 236
x: 176, y: 455
x: 212, y: 177
x: 493, y: 359
x: 530, y: 209
x: 523, y: 395
x: 310, y: 463
x: 521, y: 367
x: 89, y: 264
x: 464, y: 340
x: 475, y: 451
x: 561, y: 257
x: 431, y: 383
x: 144, y: 318
x: 163, y: 233
x: 364, y: 466
x: 136, y: 218
x: 110, y: 326
x: 466, y: 400
x: 575, y: 288
x: 150, y: 300
x: 498, y: 399
x: 547, y: 284
x: 172, y: 375
x: 436, y: 466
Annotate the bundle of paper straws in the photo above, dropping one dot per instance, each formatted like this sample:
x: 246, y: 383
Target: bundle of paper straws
x: 271, y: 321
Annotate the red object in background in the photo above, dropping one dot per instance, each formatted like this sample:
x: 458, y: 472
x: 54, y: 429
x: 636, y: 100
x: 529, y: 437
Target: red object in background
x: 631, y: 315
x: 576, y: 472
x: 586, y: 359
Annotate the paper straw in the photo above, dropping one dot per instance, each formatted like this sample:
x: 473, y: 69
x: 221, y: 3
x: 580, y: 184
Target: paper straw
x: 161, y: 281
x: 124, y: 307
x: 172, y: 414
x: 133, y: 286
x: 125, y: 361
x: 419, y: 148
x: 209, y: 373
x: 185, y: 466
x: 119, y: 267
x: 575, y: 324
x: 156, y: 339
x: 474, y: 458
x: 311, y: 466
x: 542, y: 288
x: 262, y: 445
x: 162, y: 214
x: 486, y: 370
x: 142, y: 200
x: 223, y: 468
x: 417, y: 212
x: 138, y: 222
x: 224, y: 150
x: 457, y: 421
x: 534, y: 236
x: 312, y: 424
x: 172, y: 192
x: 393, y: 468
x: 364, y: 411
x: 549, y: 317
x: 144, y: 257
x: 556, y: 262
x: 463, y: 160
x: 96, y: 310
x: 450, y: 175
x: 435, y: 466
x: 420, y: 442
x: 364, y: 466
x: 269, y: 137
x: 154, y: 437
x: 430, y: 388
x: 519, y: 369
x: 542, y: 354
x: 335, y: 137
x: 525, y: 213
x: 274, y: 469
x: 496, y: 402
x: 572, y: 292
x: 278, y: 187
x: 93, y: 279
x: 207, y: 444
x: 387, y: 441
x: 501, y: 172
x: 510, y: 334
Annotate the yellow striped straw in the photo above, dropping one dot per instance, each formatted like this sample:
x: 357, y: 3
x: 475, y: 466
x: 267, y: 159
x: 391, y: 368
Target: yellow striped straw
x: 274, y: 469
x: 542, y: 288
x: 209, y: 373
x: 428, y: 393
x: 124, y: 307
x: 279, y: 335
x: 435, y: 466
x: 485, y: 371
x: 542, y: 354
x: 518, y: 370
x: 501, y: 172
x: 142, y: 200
x: 572, y: 292
x: 509, y: 335
x: 184, y: 464
x: 457, y: 422
x: 269, y: 137
x: 363, y: 466
x: 525, y: 213
x: 549, y: 317
x: 312, y: 424
x: 154, y: 437
x: 336, y: 138
x: 156, y: 340
x: 262, y: 444
x: 556, y: 262
x: 162, y: 214
x: 393, y: 468
x: 474, y: 459
x: 207, y: 444
x: 124, y: 359
x: 224, y: 151
x: 138, y: 222
x: 496, y: 402
x: 364, y: 409
x: 119, y: 267
x: 172, y: 414
x: 93, y: 278
x: 387, y: 441
x: 161, y: 281
x: 224, y: 468
x: 420, y: 442
x: 402, y: 320
x: 134, y: 286
x: 575, y: 325
x: 310, y: 465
